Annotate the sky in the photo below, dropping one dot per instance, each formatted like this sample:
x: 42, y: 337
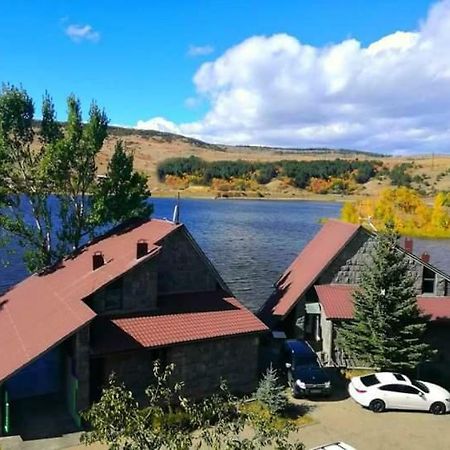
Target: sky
x: 298, y: 73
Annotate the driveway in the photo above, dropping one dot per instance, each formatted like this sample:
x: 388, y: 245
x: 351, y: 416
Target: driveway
x: 344, y: 420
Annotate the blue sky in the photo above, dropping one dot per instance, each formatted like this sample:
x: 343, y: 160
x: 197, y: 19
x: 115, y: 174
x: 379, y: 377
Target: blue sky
x: 138, y: 59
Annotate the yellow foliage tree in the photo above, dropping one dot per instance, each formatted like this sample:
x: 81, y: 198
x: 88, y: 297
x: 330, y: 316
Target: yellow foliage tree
x: 410, y: 213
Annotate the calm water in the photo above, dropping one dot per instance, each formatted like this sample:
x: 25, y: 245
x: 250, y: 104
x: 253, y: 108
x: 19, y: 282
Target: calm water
x: 251, y: 242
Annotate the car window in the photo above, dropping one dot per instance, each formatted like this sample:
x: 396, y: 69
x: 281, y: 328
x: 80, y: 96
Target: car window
x: 399, y: 377
x: 421, y: 386
x: 410, y: 390
x: 369, y: 380
x: 391, y: 388
x: 305, y: 361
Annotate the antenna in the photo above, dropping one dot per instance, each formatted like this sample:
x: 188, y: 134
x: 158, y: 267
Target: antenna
x: 176, y: 210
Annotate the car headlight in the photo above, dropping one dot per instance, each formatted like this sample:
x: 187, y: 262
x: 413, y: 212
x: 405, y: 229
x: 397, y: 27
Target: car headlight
x: 327, y: 384
x: 300, y: 384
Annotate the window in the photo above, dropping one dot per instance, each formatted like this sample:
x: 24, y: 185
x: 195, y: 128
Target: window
x: 400, y: 388
x: 369, y: 380
x: 420, y: 385
x: 428, y: 281
x: 399, y: 377
x: 114, y: 295
x: 392, y: 388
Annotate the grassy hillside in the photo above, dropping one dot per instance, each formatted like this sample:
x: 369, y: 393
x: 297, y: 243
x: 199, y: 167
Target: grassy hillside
x: 428, y: 174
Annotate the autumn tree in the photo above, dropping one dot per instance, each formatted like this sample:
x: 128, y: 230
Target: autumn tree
x: 49, y: 182
x: 387, y: 329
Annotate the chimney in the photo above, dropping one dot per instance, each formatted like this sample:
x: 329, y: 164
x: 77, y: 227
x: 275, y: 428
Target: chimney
x: 176, y: 211
x: 141, y: 248
x: 425, y: 257
x: 408, y: 244
x: 97, y: 260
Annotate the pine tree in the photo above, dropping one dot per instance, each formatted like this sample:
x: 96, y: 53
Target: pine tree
x: 271, y: 393
x: 387, y: 330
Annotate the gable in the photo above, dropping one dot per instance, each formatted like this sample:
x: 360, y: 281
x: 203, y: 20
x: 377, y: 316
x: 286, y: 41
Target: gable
x: 183, y: 267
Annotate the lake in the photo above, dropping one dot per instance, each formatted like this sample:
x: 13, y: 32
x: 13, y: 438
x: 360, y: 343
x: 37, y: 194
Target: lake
x: 251, y: 242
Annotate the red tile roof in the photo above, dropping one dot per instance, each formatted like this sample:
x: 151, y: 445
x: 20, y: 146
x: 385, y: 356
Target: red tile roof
x: 311, y: 262
x: 44, y: 309
x: 181, y: 318
x: 336, y: 300
x: 337, y: 303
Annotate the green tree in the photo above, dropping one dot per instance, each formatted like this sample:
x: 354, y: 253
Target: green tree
x: 271, y: 393
x: 123, y: 193
x: 387, y: 329
x: 171, y: 421
x: 48, y: 178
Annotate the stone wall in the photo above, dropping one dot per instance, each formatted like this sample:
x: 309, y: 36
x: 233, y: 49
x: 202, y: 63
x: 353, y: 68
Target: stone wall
x: 82, y: 367
x: 201, y: 365
x: 347, y: 267
x: 181, y: 268
x: 134, y: 369
x: 139, y: 291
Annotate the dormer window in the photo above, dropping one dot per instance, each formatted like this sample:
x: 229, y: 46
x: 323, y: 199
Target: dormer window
x: 428, y: 281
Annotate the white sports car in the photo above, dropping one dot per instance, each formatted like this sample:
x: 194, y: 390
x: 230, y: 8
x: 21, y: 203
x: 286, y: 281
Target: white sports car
x: 386, y: 390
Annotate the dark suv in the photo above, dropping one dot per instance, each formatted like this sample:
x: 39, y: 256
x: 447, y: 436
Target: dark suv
x: 305, y: 374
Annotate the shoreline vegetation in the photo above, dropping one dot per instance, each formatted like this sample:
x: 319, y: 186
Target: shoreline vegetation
x: 402, y: 195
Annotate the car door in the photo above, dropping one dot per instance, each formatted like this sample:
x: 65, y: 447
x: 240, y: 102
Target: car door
x: 413, y: 399
x: 392, y: 395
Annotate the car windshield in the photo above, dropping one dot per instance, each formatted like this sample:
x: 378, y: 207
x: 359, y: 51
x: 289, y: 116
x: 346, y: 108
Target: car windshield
x: 420, y: 385
x: 305, y: 361
x: 369, y: 380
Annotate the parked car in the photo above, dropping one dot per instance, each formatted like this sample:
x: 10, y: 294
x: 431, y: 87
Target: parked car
x: 387, y: 390
x: 305, y: 374
x: 335, y: 446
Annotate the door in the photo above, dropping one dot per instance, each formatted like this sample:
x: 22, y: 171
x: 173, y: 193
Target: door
x: 392, y: 395
x: 413, y: 399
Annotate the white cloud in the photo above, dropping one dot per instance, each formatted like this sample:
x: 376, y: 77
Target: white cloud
x: 200, y: 50
x: 79, y: 33
x: 393, y: 95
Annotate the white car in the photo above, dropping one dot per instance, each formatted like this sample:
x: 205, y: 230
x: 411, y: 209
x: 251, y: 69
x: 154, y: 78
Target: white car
x: 335, y: 446
x: 386, y: 390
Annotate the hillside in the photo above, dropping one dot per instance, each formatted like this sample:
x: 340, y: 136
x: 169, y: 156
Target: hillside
x: 152, y: 147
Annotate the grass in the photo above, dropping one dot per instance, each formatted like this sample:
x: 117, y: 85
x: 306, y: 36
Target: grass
x: 294, y: 414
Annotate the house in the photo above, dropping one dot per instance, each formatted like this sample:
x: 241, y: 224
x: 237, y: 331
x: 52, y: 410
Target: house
x: 142, y: 292
x: 314, y: 295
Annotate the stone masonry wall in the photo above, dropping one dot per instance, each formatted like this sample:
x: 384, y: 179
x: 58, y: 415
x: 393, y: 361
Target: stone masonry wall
x: 201, y: 365
x: 181, y: 268
x: 82, y: 367
x: 134, y: 369
x: 139, y: 290
x: 347, y: 267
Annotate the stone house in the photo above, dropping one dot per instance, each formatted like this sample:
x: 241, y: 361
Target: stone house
x: 142, y: 292
x: 314, y: 295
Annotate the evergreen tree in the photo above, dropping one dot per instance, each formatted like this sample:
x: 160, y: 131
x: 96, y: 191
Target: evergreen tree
x: 387, y: 329
x: 271, y: 393
x: 123, y: 194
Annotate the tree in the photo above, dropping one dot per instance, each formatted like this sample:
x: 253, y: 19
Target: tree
x: 387, y: 329
x: 171, y: 421
x: 123, y: 193
x: 49, y: 183
x: 271, y: 393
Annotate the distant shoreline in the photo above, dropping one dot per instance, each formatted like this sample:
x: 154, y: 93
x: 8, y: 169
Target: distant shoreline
x: 329, y: 198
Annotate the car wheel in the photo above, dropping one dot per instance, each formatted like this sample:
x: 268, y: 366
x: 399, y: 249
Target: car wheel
x: 377, y: 406
x: 437, y: 408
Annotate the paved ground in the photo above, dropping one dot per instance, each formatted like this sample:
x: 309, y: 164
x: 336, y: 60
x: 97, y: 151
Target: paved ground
x: 344, y: 420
